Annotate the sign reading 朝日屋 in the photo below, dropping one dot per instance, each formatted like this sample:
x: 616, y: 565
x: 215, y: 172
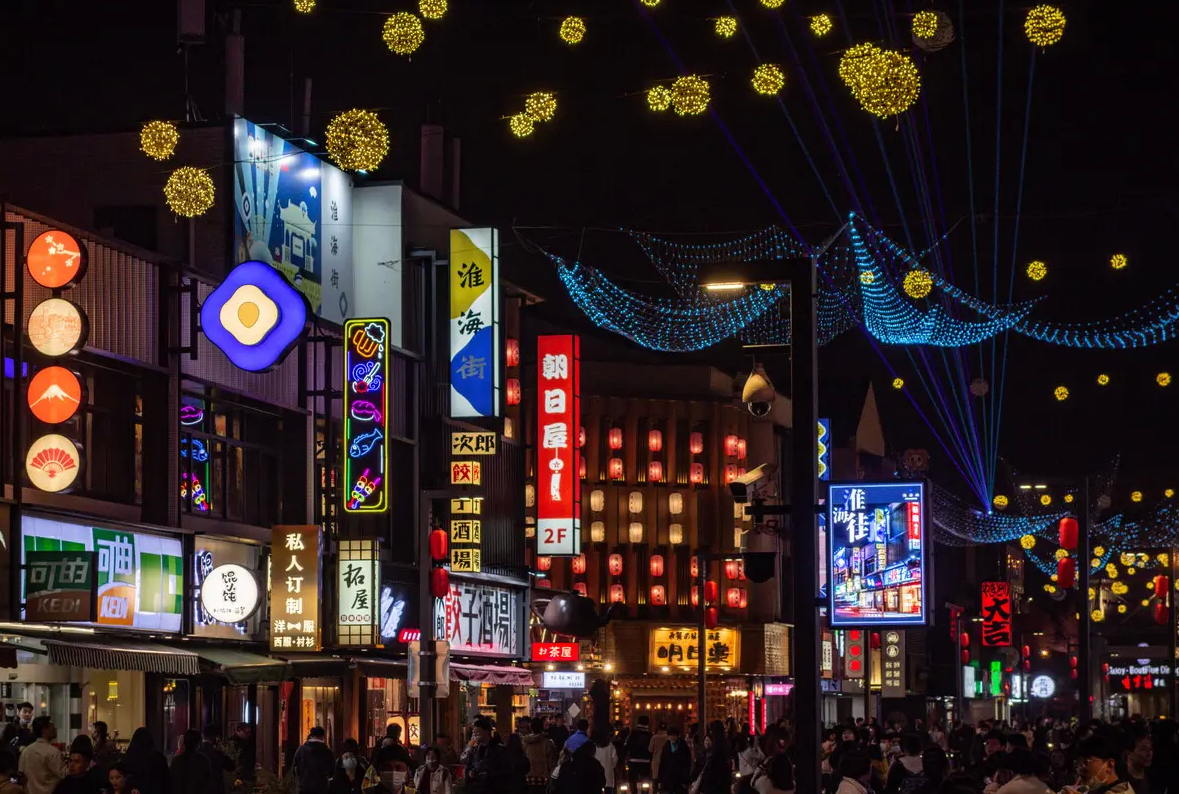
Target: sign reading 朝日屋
x: 294, y: 588
x: 474, y: 322
x: 558, y: 408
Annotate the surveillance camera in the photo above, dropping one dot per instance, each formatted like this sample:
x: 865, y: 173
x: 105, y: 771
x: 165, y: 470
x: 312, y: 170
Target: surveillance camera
x: 739, y: 488
x: 758, y: 393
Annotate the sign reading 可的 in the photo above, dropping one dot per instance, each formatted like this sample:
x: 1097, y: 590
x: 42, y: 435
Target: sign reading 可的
x: 294, y: 588
x: 996, y: 614
x: 672, y: 647
x: 892, y: 658
x: 474, y: 322
x: 366, y: 415
x: 558, y: 406
x: 472, y: 443
x: 60, y: 586
x: 358, y: 572
x: 229, y: 593
x: 466, y: 539
x: 479, y: 619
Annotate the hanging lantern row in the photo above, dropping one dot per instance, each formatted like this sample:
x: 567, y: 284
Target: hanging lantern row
x: 615, y: 438
x: 512, y: 353
x: 514, y: 391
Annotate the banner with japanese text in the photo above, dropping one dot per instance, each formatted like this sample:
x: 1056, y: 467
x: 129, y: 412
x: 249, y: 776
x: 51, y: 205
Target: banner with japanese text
x: 479, y: 619
x: 996, y: 614
x: 558, y: 406
x: 295, y: 571
x: 679, y: 647
x: 474, y: 323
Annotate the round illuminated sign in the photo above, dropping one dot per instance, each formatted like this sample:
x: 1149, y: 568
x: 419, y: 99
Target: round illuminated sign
x: 53, y: 463
x: 57, y: 259
x: 58, y: 327
x: 55, y: 394
x: 230, y: 593
x: 255, y: 317
x: 1043, y: 686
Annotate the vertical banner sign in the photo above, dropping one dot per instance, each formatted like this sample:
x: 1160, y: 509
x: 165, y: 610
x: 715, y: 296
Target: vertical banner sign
x: 366, y: 415
x: 892, y: 657
x: 558, y: 407
x: 474, y: 322
x: 996, y: 614
x: 855, y: 654
x: 824, y: 449
x: 294, y: 588
x: 356, y: 592
x: 466, y: 544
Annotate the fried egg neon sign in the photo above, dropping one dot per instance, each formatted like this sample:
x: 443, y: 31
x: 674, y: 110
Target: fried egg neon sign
x: 255, y: 317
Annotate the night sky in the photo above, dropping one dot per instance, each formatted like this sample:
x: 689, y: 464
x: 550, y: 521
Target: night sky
x: 1098, y: 178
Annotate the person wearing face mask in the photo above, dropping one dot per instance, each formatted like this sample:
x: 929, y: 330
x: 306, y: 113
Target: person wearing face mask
x: 1097, y: 770
x: 433, y: 777
x: 348, y: 778
x: 675, y: 764
x: 24, y: 724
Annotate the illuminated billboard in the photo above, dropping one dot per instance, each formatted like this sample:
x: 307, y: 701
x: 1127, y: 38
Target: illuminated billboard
x: 558, y: 407
x: 878, y: 559
x: 474, y: 323
x: 366, y: 414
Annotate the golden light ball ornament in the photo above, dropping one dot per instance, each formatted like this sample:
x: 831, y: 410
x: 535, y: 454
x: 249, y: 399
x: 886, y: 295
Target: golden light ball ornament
x: 773, y: 3
x: 1118, y: 261
x: 690, y: 95
x: 867, y: 278
x: 1060, y: 393
x: 1094, y: 564
x: 572, y: 30
x: 1037, y: 270
x: 898, y: 383
x: 854, y: 65
x: 659, y: 98
x: 1000, y: 501
x: 1061, y: 554
x: 1131, y: 571
x: 924, y: 24
x: 1044, y: 25
x: 403, y: 33
x: 821, y: 25
x: 1027, y: 542
x: 521, y: 125
x: 158, y: 139
x: 726, y: 27
x: 357, y: 140
x: 540, y: 105
x: 432, y: 9
x: 1050, y: 588
x: 1163, y: 379
x: 1127, y: 558
x: 1103, y: 379
x: 1099, y: 551
x: 890, y: 84
x: 304, y: 6
x: 1092, y: 594
x: 649, y: 3
x: 1168, y: 493
x: 1146, y: 602
x: 1121, y: 609
x: 1097, y: 616
x: 1119, y: 588
x: 918, y: 283
x: 1045, y: 500
x: 189, y: 191
x: 1136, y: 496
x: 1164, y: 559
x: 769, y: 79
x: 1069, y: 498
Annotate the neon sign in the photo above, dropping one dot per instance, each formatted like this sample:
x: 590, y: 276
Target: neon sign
x: 474, y: 322
x: 366, y: 414
x: 255, y: 317
x: 558, y: 406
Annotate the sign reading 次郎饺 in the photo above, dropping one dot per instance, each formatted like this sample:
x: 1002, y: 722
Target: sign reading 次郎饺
x: 139, y: 577
x: 466, y: 472
x: 556, y: 652
x: 474, y: 323
x: 823, y: 438
x: 558, y: 413
x: 473, y: 443
x: 61, y: 586
x: 877, y: 573
x: 996, y: 614
x: 255, y: 317
x: 466, y: 506
x: 295, y: 569
x: 57, y: 259
x: 479, y: 619
x: 678, y: 647
x: 358, y: 570
x: 892, y: 660
x: 229, y: 593
x: 366, y: 415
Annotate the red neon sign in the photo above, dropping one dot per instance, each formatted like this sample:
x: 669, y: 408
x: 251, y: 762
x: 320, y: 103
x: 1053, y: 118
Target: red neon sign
x: 556, y: 652
x: 558, y: 406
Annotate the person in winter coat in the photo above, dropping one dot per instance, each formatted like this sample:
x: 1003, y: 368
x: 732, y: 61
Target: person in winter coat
x: 348, y: 777
x: 607, y: 756
x: 581, y: 774
x: 854, y: 772
x: 638, y: 753
x: 146, y: 766
x: 776, y: 776
x: 314, y: 763
x: 433, y: 777
x: 542, y: 756
x: 190, y: 772
x: 658, y: 740
x: 675, y: 764
x: 908, y: 765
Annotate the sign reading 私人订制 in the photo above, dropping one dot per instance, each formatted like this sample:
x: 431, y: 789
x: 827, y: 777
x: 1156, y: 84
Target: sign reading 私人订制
x: 294, y: 588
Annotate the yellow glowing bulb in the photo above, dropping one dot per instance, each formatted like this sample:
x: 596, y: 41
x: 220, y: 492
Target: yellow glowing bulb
x: 1168, y: 493
x: 821, y: 25
x: 1093, y: 563
x: 649, y: 3
x: 1103, y: 379
x: 1146, y: 602
x: 768, y: 79
x: 1045, y: 500
x: 1131, y: 571
x: 772, y: 3
x: 1028, y: 542
x: 357, y: 140
x: 1127, y: 558
x: 1069, y: 498
x: 1097, y: 616
x: 1037, y: 270
x: 1164, y: 559
x: 1136, y: 496
x: 1092, y: 594
x: 1061, y: 393
x: 918, y: 283
x: 1121, y: 609
x: 1061, y: 554
x: 540, y: 106
x: 659, y: 98
x: 1099, y: 551
x: 189, y: 191
x: 158, y: 139
x: 1050, y: 588
x: 1044, y: 25
x: 898, y: 383
x: 1149, y: 585
x: 690, y: 95
x: 924, y: 24
x: 403, y: 33
x: 572, y: 30
x: 866, y: 277
x: 1118, y: 261
x: 1163, y: 379
x: 304, y: 6
x: 521, y: 125
x: 1118, y: 588
x: 1000, y: 501
x: 726, y: 27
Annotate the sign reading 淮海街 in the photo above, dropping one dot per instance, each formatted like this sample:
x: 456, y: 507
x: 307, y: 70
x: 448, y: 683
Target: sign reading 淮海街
x: 474, y: 322
x: 678, y: 647
x: 139, y: 578
x: 60, y: 586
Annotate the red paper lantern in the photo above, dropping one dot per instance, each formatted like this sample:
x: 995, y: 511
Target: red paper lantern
x: 514, y: 392
x: 580, y: 588
x: 696, y: 443
x: 965, y: 656
x: 439, y: 545
x: 655, y: 440
x: 658, y: 595
x: 695, y: 596
x: 696, y: 473
x: 1072, y: 661
x: 694, y: 567
x: 965, y: 639
x: 1066, y: 572
x: 615, y: 469
x: 655, y: 471
x: 544, y: 563
x: 617, y: 594
x: 1161, y: 583
x: 581, y: 468
x: 615, y: 565
x: 740, y: 472
x: 616, y: 438
x: 732, y: 568
x: 744, y: 604
x: 730, y: 473
x: 545, y: 583
x: 740, y: 570
x: 1027, y: 652
x: 657, y: 565
x: 730, y: 445
x: 710, y: 618
x: 1068, y: 533
x: 580, y: 437
x: 579, y: 564
x: 733, y: 597
x: 439, y: 582
x: 711, y: 592
x: 1073, y: 674
x: 512, y: 352
x: 741, y: 449
x: 874, y: 640
x: 1160, y: 613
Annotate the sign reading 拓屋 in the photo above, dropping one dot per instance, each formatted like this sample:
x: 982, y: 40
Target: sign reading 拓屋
x: 474, y: 322
x: 294, y: 588
x: 479, y: 619
x: 356, y: 593
x: 60, y: 586
x: 472, y: 443
x: 996, y: 614
x: 466, y: 472
x: 558, y: 407
x: 671, y: 647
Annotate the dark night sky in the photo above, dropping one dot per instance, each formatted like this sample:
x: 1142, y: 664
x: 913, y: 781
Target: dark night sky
x: 1099, y: 174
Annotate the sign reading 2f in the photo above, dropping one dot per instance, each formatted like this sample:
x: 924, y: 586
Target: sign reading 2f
x: 366, y: 415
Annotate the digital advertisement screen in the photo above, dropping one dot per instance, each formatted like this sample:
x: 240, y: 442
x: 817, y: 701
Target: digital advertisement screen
x: 878, y: 562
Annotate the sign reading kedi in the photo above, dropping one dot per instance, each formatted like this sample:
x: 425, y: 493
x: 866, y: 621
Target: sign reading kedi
x: 558, y: 405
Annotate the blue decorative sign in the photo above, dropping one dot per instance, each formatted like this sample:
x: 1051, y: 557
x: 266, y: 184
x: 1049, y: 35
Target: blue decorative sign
x: 823, y: 438
x: 255, y: 317
x: 878, y: 559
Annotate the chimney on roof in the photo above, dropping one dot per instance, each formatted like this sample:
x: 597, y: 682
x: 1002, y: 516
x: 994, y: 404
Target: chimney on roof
x: 438, y: 162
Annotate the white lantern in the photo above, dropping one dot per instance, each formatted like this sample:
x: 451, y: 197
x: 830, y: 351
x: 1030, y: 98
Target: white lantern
x: 675, y: 534
x: 738, y: 510
x: 636, y: 532
x: 635, y: 501
x: 529, y: 495
x: 598, y: 532
x: 675, y: 503
x: 597, y: 501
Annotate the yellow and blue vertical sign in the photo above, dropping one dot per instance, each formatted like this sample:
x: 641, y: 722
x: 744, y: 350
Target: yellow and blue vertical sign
x: 474, y: 323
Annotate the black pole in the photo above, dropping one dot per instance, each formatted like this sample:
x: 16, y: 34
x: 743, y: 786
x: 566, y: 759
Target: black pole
x: 703, y: 559
x: 1084, y: 682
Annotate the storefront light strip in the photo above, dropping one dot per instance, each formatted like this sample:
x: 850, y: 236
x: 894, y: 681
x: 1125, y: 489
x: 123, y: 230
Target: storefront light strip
x: 22, y: 627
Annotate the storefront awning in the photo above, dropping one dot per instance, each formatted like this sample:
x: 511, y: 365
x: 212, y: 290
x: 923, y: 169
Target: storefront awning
x: 490, y: 674
x: 373, y: 667
x: 124, y: 656
x: 242, y: 667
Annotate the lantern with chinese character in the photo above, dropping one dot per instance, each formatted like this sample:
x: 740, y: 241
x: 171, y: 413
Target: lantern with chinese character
x: 675, y: 504
x: 655, y: 471
x: 513, y: 391
x: 1066, y: 573
x: 617, y: 594
x: 512, y: 352
x: 439, y: 545
x: 439, y: 582
x: 655, y: 440
x: 598, y: 532
x: 695, y: 596
x: 696, y: 443
x: 545, y: 583
x: 579, y: 564
x: 614, y: 564
x: 1068, y: 533
x: 658, y: 595
x: 710, y: 618
x: 741, y: 449
x: 615, y: 469
x: 544, y: 563
x: 597, y: 500
x: 694, y: 567
x: 615, y: 438
x: 635, y: 501
x: 580, y: 437
x: 744, y: 604
x: 732, y: 568
x: 675, y: 534
x: 657, y: 565
x: 711, y: 592
x: 635, y: 532
x: 730, y: 445
x: 580, y: 588
x: 696, y: 473
x: 730, y: 473
x: 733, y: 597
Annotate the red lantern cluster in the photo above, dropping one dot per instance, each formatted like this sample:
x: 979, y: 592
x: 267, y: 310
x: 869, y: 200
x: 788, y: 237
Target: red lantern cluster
x: 614, y: 564
x: 733, y: 569
x: 615, y: 438
x: 711, y: 592
x: 710, y: 618
x: 695, y: 596
x: 439, y: 556
x: 733, y: 597
x: 730, y: 473
x: 1068, y: 533
x: 1066, y: 572
x: 617, y: 594
x: 730, y: 445
x: 658, y: 595
x: 579, y: 564
x: 544, y: 563
x: 694, y: 567
x: 514, y: 393
x: 655, y: 471
x: 696, y: 473
x: 581, y: 589
x: 512, y: 353
x: 741, y: 449
x: 744, y: 602
x: 614, y: 469
x: 655, y: 441
x: 656, y: 564
x: 696, y: 443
